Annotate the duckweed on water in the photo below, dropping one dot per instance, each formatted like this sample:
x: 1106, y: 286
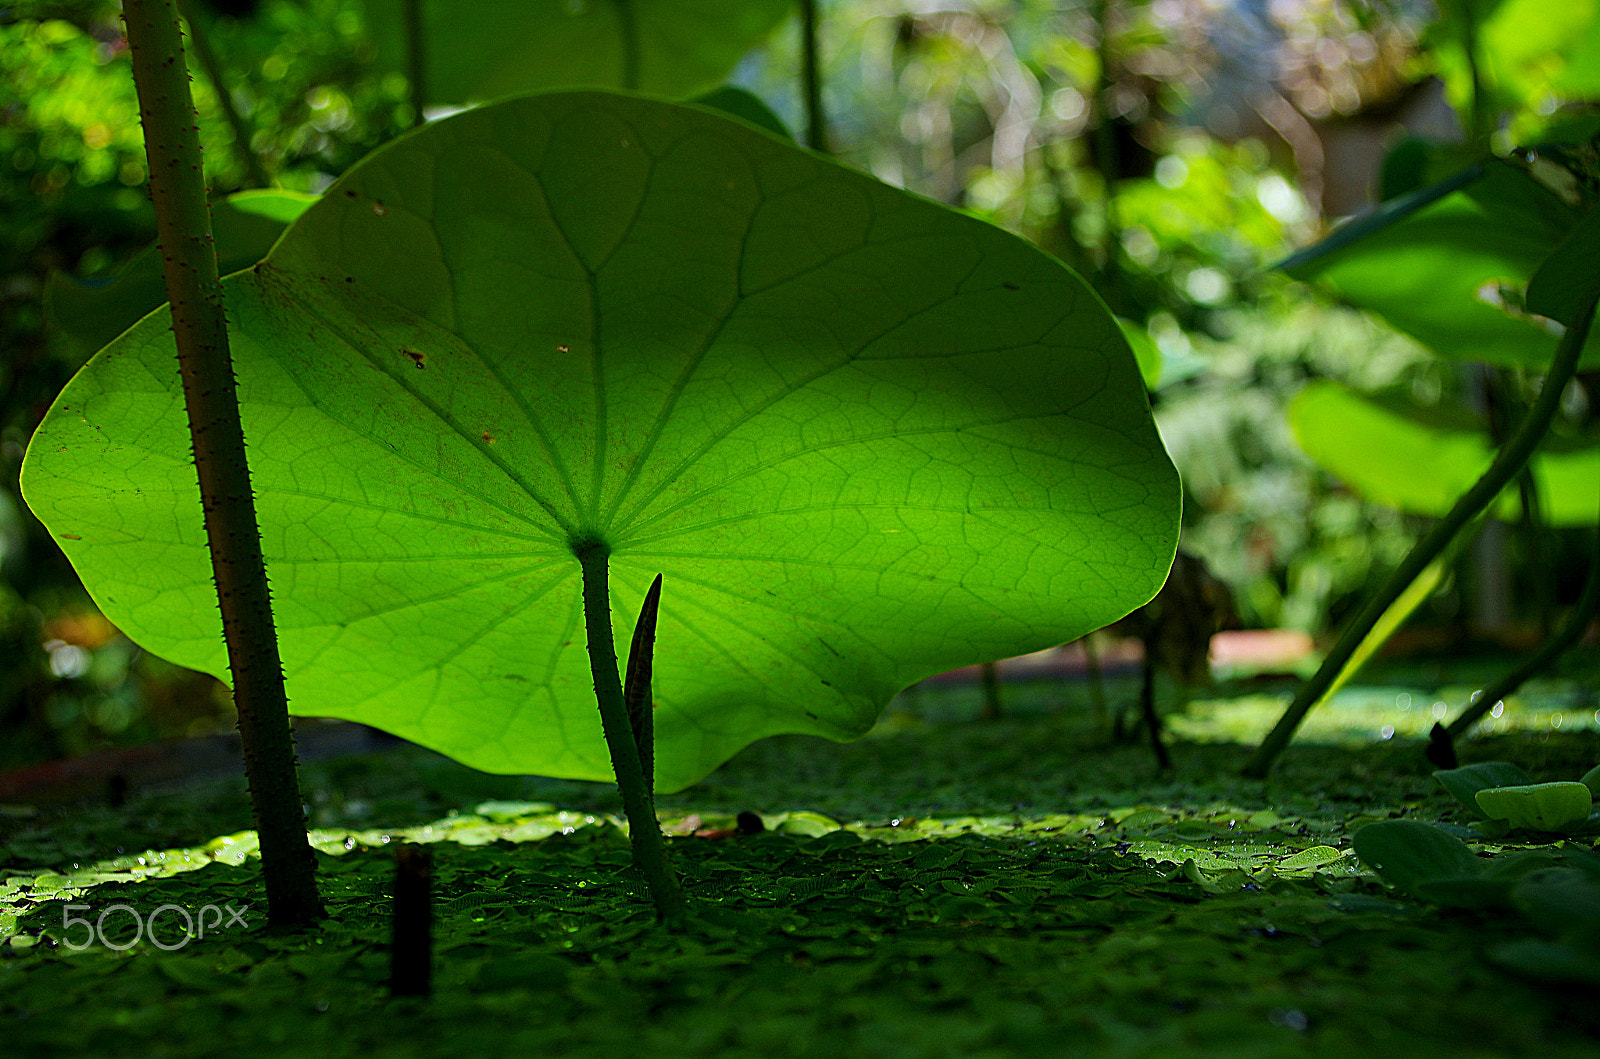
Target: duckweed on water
x: 995, y: 889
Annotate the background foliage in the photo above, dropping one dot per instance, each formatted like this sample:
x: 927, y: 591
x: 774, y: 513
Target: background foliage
x: 1170, y: 150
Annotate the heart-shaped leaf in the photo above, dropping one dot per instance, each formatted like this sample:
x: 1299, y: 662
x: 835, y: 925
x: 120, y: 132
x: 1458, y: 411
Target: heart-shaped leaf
x: 492, y: 48
x: 863, y: 437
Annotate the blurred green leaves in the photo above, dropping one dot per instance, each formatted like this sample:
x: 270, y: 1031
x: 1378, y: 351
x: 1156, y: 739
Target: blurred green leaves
x: 89, y: 314
x: 1454, y: 273
x: 493, y: 48
x: 1421, y: 458
x: 1522, y: 57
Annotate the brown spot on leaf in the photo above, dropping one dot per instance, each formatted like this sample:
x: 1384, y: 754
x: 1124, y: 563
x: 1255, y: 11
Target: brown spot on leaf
x: 488, y: 438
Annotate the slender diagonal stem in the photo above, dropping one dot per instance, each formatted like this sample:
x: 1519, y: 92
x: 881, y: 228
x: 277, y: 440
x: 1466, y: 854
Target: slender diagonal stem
x: 649, y: 848
x: 1110, y: 165
x: 1502, y: 395
x: 243, y: 135
x: 416, y: 60
x: 1478, y: 115
x: 183, y: 221
x: 991, y: 692
x: 1569, y: 633
x: 628, y: 28
x: 811, y: 78
x: 1511, y: 458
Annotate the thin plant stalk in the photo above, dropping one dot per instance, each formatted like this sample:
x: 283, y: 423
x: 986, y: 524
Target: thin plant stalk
x: 416, y: 61
x: 1147, y: 709
x: 1097, y: 689
x: 183, y: 221
x: 1570, y: 632
x: 1478, y: 106
x: 811, y: 78
x: 1511, y: 459
x: 990, y: 674
x: 649, y: 847
x: 1502, y: 394
x: 628, y: 30
x: 1109, y: 164
x: 243, y: 135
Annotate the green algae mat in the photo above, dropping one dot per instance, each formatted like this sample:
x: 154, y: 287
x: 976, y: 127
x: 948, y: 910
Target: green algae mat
x: 973, y: 889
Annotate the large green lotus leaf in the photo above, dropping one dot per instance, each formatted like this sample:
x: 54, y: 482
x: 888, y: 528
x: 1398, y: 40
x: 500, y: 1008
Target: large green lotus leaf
x: 863, y: 437
x: 1453, y: 273
x: 492, y: 48
x: 1421, y: 460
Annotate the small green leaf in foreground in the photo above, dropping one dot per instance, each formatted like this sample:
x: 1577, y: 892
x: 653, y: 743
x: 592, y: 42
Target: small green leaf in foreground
x: 1538, y: 806
x: 1465, y: 782
x: 863, y: 438
x: 1407, y: 853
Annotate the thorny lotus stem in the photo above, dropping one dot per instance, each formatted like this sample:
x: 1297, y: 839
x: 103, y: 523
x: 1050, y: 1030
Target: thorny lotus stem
x: 183, y: 220
x: 1511, y: 458
x: 649, y: 848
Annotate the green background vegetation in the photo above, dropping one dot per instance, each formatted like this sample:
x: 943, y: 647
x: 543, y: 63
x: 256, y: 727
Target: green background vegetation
x: 1022, y: 883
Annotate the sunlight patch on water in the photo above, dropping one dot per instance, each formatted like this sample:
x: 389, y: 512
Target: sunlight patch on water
x: 1362, y: 714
